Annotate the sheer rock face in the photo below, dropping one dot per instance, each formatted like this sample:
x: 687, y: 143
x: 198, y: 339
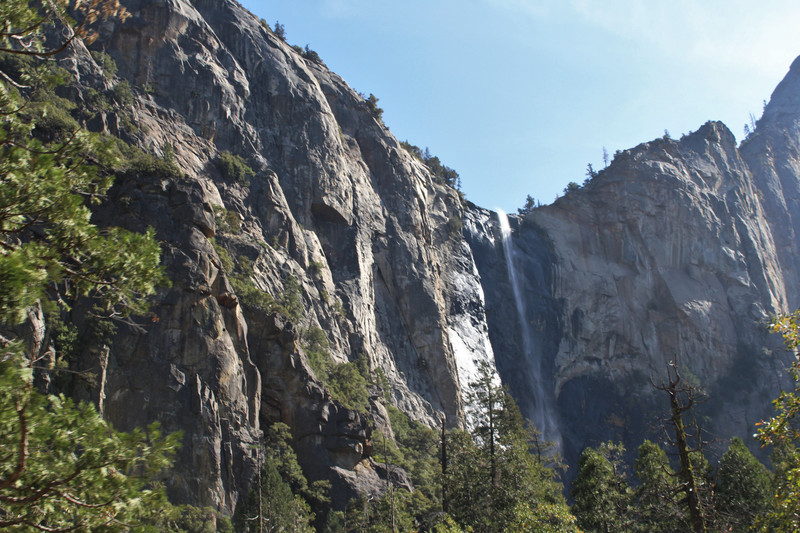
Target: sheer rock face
x: 773, y: 155
x: 679, y: 248
x: 665, y: 255
x: 335, y: 203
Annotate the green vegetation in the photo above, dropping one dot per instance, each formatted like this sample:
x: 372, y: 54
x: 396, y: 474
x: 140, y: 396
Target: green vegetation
x: 234, y: 168
x: 603, y: 499
x: 348, y: 386
x: 311, y: 55
x: 347, y: 382
x: 492, y: 471
x: 146, y: 163
x: 280, y: 31
x: 736, y: 498
x: 47, y: 481
x: 371, y: 102
x: 454, y: 225
x: 105, y: 62
x: 658, y: 510
x: 442, y: 174
x: 316, y: 268
x: 530, y: 205
x: 62, y: 467
x: 486, y: 480
x: 290, y: 304
x: 282, y: 499
x: 227, y: 221
x: 743, y: 488
x: 55, y: 189
x: 782, y: 432
x: 739, y: 495
x: 251, y: 296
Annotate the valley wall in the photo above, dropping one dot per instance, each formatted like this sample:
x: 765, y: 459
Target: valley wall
x: 679, y: 249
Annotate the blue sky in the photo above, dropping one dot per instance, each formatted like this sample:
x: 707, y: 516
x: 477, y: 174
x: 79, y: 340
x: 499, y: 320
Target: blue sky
x: 519, y: 96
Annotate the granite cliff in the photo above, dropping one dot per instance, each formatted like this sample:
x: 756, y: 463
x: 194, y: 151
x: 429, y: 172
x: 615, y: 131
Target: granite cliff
x: 678, y: 248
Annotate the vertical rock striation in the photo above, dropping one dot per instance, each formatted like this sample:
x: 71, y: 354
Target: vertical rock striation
x: 335, y: 204
x: 666, y: 254
x: 680, y: 248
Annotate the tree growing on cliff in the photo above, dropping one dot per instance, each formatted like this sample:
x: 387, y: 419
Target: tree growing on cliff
x: 529, y: 205
x: 371, y: 102
x: 280, y: 31
x: 442, y: 174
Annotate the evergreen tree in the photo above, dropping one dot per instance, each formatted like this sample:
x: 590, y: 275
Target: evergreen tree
x: 530, y: 205
x: 656, y: 498
x: 601, y: 493
x: 280, y: 500
x: 743, y: 488
x: 466, y: 480
x: 278, y: 509
x: 62, y: 468
x: 491, y: 472
x: 543, y: 518
x: 49, y: 175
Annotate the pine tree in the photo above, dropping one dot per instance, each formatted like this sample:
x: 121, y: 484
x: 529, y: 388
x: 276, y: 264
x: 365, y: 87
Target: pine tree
x: 602, y: 497
x: 656, y: 498
x: 62, y: 468
x: 492, y: 472
x: 743, y: 488
x: 280, y: 500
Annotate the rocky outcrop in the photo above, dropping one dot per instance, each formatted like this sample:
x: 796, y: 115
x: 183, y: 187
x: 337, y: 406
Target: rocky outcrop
x: 680, y: 248
x: 336, y: 212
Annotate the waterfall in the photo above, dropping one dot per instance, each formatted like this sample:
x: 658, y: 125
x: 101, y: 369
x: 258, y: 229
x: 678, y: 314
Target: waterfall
x: 543, y: 408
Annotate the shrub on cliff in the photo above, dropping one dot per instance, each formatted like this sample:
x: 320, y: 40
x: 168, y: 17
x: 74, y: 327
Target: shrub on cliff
x: 442, y: 174
x: 234, y: 168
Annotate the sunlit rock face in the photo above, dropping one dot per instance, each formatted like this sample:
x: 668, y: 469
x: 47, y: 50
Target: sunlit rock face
x: 335, y: 203
x: 772, y: 153
x: 679, y: 249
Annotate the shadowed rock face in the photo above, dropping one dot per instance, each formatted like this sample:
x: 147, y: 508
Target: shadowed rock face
x: 679, y: 248
x: 667, y: 253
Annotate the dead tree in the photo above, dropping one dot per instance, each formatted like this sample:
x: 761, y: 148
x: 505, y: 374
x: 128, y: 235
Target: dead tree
x: 682, y: 398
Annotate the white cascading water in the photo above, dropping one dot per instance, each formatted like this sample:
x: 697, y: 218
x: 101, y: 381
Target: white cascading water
x: 542, y: 417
